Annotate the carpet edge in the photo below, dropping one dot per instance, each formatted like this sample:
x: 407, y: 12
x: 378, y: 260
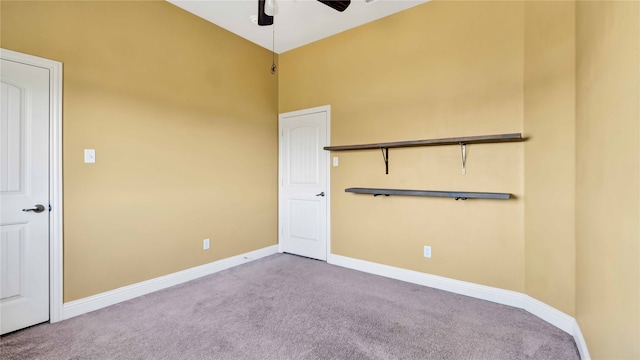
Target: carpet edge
x: 95, y: 302
x: 516, y: 299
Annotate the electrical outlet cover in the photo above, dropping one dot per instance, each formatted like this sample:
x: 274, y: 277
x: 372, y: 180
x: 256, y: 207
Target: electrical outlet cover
x: 427, y: 251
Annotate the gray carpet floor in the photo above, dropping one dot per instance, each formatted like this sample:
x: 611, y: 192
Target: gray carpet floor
x: 288, y: 307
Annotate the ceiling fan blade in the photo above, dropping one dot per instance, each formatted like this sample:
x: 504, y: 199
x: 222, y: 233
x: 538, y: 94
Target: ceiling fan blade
x: 337, y: 4
x: 263, y: 19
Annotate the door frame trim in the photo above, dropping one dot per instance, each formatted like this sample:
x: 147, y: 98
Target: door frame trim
x: 327, y: 110
x: 55, y: 175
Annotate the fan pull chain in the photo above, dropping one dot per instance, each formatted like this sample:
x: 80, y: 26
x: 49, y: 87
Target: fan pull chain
x: 273, y: 49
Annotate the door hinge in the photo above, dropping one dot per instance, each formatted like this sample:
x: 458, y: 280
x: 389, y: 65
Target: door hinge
x: 49, y: 207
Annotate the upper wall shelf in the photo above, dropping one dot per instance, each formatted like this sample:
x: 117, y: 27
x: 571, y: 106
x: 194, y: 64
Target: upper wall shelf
x: 432, y: 142
x: 462, y: 141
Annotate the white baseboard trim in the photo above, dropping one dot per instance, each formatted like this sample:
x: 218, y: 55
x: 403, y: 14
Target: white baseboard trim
x: 506, y: 297
x: 99, y: 301
x: 580, y: 342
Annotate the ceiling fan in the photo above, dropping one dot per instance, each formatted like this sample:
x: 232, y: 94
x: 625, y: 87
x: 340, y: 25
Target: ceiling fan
x: 266, y: 18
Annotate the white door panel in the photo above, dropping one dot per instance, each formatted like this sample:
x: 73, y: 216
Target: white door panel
x: 303, y: 219
x: 303, y: 234
x: 12, y: 259
x: 304, y: 182
x: 24, y: 183
x: 302, y: 149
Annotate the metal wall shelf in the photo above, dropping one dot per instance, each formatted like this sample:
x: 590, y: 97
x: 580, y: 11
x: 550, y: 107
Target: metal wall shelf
x: 462, y: 141
x: 458, y: 195
x: 432, y: 142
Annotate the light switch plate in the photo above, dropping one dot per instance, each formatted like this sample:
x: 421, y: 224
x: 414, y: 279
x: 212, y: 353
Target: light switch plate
x: 335, y: 161
x: 89, y: 156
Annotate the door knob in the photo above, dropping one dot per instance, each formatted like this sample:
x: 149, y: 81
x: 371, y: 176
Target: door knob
x: 321, y: 194
x: 38, y: 209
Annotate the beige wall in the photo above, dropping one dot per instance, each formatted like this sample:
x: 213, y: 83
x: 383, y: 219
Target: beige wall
x: 549, y: 124
x: 437, y: 70
x: 554, y: 70
x: 183, y: 117
x: 608, y: 177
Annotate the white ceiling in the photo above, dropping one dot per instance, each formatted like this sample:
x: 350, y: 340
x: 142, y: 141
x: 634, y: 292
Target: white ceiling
x: 297, y: 23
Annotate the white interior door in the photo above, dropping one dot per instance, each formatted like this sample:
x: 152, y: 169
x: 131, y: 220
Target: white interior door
x: 24, y: 195
x: 304, y: 191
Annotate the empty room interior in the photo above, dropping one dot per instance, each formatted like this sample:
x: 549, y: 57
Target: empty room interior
x: 193, y: 138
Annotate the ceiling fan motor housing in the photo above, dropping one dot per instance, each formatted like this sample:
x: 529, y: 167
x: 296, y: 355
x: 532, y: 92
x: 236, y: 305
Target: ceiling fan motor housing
x: 264, y: 19
x: 337, y: 4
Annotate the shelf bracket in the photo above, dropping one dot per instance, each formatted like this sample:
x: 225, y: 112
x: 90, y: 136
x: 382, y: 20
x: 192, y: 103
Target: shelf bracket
x: 385, y: 157
x: 463, y: 149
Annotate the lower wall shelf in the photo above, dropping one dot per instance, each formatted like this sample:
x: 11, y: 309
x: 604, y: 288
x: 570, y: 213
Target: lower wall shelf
x: 458, y: 195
